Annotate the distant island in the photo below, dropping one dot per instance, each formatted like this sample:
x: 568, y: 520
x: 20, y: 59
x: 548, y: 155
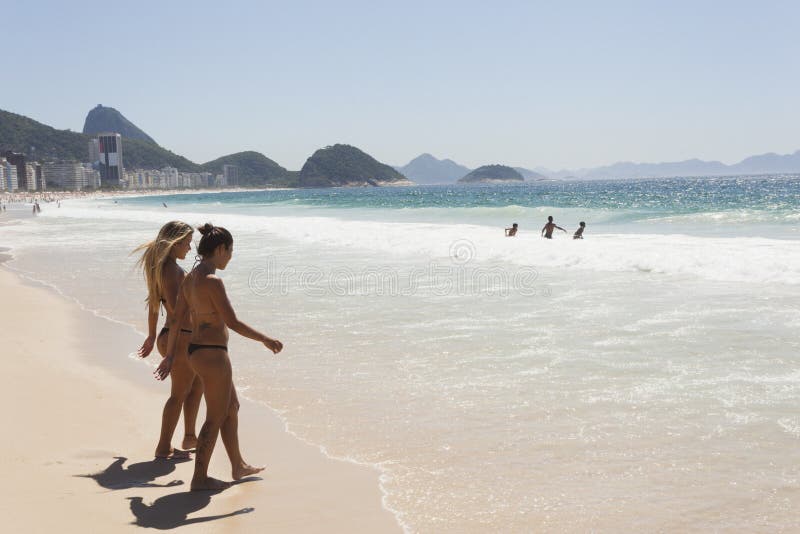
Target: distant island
x: 427, y: 169
x: 345, y: 165
x: 492, y: 174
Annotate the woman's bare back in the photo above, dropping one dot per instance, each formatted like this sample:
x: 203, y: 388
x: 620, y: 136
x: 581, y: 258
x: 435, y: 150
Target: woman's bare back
x: 208, y: 324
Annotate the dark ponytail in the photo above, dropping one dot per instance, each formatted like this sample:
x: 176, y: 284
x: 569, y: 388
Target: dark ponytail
x: 213, y: 236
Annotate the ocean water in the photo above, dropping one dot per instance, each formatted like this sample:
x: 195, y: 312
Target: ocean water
x: 644, y: 378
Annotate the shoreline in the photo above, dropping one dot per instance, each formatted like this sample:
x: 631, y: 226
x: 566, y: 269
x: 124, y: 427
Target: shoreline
x: 26, y: 197
x: 18, y: 197
x: 302, y: 488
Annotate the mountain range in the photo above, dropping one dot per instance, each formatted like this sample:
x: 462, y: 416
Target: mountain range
x: 426, y: 169
x: 337, y: 165
x: 770, y: 163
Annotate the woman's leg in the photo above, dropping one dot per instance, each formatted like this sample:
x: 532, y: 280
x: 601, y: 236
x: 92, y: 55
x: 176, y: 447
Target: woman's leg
x: 181, y: 377
x: 191, y: 405
x: 230, y: 438
x: 214, y: 369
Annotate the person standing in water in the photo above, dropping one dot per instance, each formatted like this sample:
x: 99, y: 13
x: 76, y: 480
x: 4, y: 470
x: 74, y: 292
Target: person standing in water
x: 203, y: 298
x: 164, y: 278
x: 547, y: 230
x: 579, y: 232
x: 511, y: 232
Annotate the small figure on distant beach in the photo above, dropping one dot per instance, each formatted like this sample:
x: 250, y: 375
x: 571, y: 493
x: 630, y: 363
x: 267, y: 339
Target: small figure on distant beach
x: 164, y: 277
x: 511, y: 232
x: 579, y: 232
x: 203, y: 298
x: 164, y: 204
x: 547, y: 230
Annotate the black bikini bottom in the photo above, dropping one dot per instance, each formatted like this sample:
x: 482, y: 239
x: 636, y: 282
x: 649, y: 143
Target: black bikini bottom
x: 193, y: 347
x: 166, y: 329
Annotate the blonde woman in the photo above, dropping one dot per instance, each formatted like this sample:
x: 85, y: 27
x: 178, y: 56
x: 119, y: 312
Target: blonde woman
x: 203, y: 297
x: 164, y: 278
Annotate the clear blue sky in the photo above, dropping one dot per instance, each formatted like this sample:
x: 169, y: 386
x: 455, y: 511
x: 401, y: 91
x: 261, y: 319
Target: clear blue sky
x: 554, y: 84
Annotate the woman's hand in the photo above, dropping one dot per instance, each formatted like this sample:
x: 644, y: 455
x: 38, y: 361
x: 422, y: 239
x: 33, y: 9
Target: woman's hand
x: 273, y: 344
x: 147, y: 347
x: 163, y: 369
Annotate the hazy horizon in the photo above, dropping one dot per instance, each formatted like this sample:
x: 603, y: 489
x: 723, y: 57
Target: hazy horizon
x: 563, y: 87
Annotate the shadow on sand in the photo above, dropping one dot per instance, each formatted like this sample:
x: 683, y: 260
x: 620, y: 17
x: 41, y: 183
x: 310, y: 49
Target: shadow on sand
x: 172, y: 511
x: 139, y: 475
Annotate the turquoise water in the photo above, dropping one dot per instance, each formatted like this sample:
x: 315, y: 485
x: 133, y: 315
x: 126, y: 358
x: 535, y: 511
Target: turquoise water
x: 646, y: 197
x: 760, y: 205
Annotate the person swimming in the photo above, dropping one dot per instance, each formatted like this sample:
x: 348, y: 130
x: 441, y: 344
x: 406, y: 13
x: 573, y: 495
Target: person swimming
x: 203, y: 298
x: 579, y: 232
x: 511, y: 232
x: 164, y: 278
x: 547, y: 230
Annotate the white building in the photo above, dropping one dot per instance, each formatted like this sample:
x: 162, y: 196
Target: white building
x: 171, y: 177
x: 91, y: 176
x: 94, y: 151
x: 201, y: 179
x: 41, y: 183
x: 231, y: 173
x: 9, y: 175
x: 70, y: 176
x: 30, y: 171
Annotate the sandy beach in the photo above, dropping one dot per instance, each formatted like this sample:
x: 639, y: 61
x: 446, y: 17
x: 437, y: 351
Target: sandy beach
x: 82, y: 420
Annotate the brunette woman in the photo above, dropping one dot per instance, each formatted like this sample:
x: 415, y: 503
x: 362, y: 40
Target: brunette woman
x: 203, y: 297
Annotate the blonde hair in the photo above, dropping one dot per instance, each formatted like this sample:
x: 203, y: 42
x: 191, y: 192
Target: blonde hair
x: 155, y: 254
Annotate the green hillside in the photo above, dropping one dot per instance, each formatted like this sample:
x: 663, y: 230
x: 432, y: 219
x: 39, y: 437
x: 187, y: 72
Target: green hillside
x: 40, y: 142
x: 345, y: 165
x: 336, y: 165
x: 44, y: 143
x: 255, y: 169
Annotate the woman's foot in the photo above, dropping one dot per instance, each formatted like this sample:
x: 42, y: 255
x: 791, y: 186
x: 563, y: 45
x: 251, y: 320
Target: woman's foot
x: 173, y: 454
x: 245, y: 470
x: 209, y: 484
x: 189, y: 442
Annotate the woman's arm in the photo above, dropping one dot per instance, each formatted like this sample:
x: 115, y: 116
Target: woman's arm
x: 178, y: 316
x: 223, y: 305
x: 152, y: 321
